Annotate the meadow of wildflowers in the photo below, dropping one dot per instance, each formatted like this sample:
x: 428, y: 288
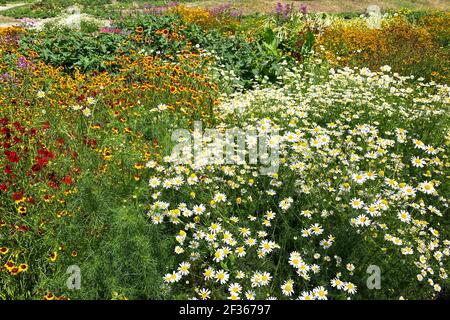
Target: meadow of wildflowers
x: 200, y: 153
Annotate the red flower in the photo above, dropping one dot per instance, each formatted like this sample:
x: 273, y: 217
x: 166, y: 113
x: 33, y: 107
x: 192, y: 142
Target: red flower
x: 6, y: 132
x: 18, y: 126
x: 12, y: 156
x: 17, y: 196
x: 67, y: 180
x: 3, y: 187
x: 46, y: 154
x: 42, y: 162
x: 53, y: 184
x: 8, y: 169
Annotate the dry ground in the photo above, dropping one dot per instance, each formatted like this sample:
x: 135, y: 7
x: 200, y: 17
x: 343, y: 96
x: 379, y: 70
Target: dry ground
x: 330, y: 5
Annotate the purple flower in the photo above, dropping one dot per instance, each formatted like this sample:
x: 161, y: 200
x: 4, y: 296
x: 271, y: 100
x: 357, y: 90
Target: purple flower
x: 235, y: 13
x: 153, y: 9
x: 220, y: 9
x: 113, y: 30
x: 22, y: 63
x: 28, y: 23
x: 5, y: 77
x: 303, y: 8
x: 283, y: 9
x: 224, y: 9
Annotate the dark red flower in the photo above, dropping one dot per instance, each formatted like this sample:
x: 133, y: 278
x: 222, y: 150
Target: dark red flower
x: 53, y: 184
x: 8, y: 169
x: 22, y: 228
x: 12, y: 156
x: 3, y: 187
x: 6, y: 132
x: 46, y: 154
x: 18, y: 126
x: 17, y: 196
x: 42, y: 162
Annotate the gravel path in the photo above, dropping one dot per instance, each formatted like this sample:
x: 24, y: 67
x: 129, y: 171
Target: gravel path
x: 7, y: 21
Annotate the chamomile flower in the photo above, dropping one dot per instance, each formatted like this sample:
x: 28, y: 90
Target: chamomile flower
x: 356, y: 203
x: 337, y: 283
x: 220, y: 197
x: 427, y: 187
x: 222, y: 276
x: 235, y: 288
x: 172, y: 277
x: 359, y: 178
x: 209, y: 273
x: 418, y: 162
x: 320, y: 293
x: 86, y: 112
x: 183, y: 269
x: 287, y: 288
x: 350, y: 288
x: 286, y: 203
x: 404, y: 216
x: 204, y: 293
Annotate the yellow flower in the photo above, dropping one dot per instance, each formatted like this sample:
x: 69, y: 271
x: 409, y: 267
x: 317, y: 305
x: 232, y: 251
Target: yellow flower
x: 22, y: 210
x: 23, y: 267
x: 53, y: 256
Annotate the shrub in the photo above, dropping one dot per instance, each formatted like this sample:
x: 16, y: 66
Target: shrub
x: 408, y: 48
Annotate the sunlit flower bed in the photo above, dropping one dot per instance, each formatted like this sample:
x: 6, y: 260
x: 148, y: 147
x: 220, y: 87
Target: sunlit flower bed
x: 349, y: 200
x: 362, y: 180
